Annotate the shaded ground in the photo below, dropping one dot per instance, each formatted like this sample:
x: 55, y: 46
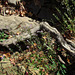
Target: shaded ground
x: 33, y: 56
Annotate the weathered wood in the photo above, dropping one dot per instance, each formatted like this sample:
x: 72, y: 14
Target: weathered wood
x: 26, y: 27
x: 18, y: 27
x: 61, y: 40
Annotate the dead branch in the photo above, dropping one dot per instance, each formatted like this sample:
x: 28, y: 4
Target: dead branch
x: 61, y: 40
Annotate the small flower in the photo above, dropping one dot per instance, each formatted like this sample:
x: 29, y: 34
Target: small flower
x: 27, y: 46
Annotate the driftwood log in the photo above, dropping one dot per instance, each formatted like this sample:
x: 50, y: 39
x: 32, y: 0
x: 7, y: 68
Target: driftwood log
x: 21, y: 28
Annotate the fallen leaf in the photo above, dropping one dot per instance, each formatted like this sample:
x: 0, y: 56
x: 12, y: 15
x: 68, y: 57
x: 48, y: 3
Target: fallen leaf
x: 12, y: 61
x: 34, y: 52
x: 41, y: 52
x: 35, y: 44
x: 20, y: 58
x: 44, y: 37
x: 8, y: 54
x: 10, y: 36
x: 32, y: 46
x: 68, y: 60
x: 4, y: 55
x: 18, y: 33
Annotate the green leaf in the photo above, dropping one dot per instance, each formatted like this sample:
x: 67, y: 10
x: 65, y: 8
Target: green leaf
x: 31, y: 64
x: 1, y: 40
x: 58, y: 73
x: 41, y: 67
x: 40, y: 73
x: 64, y: 71
x: 58, y: 48
x: 35, y: 68
x: 47, y: 67
x: 63, y: 66
x: 0, y: 35
x: 48, y: 48
x: 32, y: 61
x: 38, y: 55
x: 6, y: 36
